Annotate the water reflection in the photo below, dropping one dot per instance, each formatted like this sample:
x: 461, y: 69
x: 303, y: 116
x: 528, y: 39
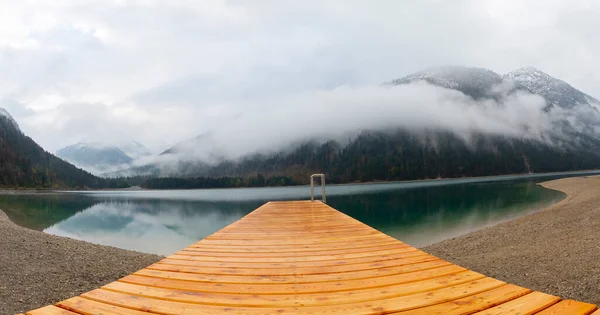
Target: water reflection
x: 427, y: 215
x: 163, y: 222
x: 161, y: 227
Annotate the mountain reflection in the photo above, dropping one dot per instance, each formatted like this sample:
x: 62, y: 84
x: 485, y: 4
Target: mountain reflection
x: 160, y: 227
x: 164, y: 222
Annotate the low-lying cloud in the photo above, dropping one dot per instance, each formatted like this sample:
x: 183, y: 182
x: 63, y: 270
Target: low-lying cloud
x: 276, y: 124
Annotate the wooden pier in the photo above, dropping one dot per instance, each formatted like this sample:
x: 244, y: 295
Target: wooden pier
x: 303, y: 257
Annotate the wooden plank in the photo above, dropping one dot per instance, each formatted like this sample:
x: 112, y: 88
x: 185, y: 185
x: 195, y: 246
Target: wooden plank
x: 185, y: 261
x: 299, y: 288
x: 311, y: 215
x: 292, y: 238
x: 292, y: 298
x: 300, y: 228
x: 287, y: 271
x: 216, y: 251
x: 318, y: 278
x: 375, y: 306
x: 294, y: 246
x: 525, y: 305
x: 324, y: 237
x: 265, y: 225
x: 473, y: 303
x: 138, y: 304
x: 267, y: 218
x: 294, y: 258
x: 51, y: 310
x: 569, y: 307
x: 279, y: 243
x: 90, y: 307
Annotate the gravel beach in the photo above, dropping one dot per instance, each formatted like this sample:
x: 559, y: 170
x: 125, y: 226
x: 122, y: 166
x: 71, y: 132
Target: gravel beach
x: 556, y: 251
x: 39, y: 269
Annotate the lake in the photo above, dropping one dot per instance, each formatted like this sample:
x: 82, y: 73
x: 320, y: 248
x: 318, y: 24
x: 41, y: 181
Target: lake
x: 163, y: 222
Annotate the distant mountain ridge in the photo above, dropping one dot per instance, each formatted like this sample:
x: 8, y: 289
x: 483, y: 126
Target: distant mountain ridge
x: 99, y: 158
x: 133, y: 149
x: 94, y: 155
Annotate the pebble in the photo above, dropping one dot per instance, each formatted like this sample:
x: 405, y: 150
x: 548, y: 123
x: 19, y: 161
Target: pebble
x: 40, y: 269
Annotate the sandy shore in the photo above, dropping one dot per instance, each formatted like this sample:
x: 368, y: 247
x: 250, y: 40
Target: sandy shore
x: 37, y: 269
x: 556, y: 250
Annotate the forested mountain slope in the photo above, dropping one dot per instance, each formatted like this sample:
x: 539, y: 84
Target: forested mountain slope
x: 23, y: 163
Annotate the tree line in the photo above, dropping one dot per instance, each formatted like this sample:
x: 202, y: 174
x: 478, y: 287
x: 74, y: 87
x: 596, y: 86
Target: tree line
x: 394, y: 156
x: 217, y: 182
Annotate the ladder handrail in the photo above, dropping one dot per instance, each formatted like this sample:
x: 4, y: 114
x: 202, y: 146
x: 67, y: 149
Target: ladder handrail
x: 312, y: 187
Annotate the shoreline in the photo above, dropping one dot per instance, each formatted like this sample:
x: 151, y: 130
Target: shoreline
x: 483, y: 178
x: 39, y: 269
x: 590, y: 172
x: 554, y: 250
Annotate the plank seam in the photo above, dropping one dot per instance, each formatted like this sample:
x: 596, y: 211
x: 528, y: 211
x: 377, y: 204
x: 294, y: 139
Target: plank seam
x: 299, y: 293
x: 361, y: 278
x: 285, y: 263
x: 238, y: 304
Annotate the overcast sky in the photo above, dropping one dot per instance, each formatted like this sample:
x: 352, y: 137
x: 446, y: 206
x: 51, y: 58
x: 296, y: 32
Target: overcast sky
x: 160, y: 73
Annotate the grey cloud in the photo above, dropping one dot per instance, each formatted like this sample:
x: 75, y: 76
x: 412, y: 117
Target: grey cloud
x: 259, y: 82
x: 345, y: 111
x: 161, y: 72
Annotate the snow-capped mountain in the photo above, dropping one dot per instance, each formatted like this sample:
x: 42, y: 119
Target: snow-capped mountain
x: 95, y: 157
x: 577, y: 110
x: 478, y: 83
x: 555, y: 91
x: 4, y: 112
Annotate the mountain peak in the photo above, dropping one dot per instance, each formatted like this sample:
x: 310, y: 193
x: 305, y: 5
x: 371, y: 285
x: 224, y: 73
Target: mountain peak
x: 92, y: 145
x: 476, y: 82
x: 556, y: 91
x: 94, y: 157
x: 529, y: 69
x: 134, y: 149
x: 451, y: 75
x: 530, y: 73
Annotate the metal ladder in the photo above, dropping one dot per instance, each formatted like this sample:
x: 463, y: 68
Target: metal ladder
x: 312, y: 187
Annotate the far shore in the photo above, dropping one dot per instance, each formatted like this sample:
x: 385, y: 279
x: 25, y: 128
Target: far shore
x: 24, y: 191
x: 554, y: 250
x: 518, y: 175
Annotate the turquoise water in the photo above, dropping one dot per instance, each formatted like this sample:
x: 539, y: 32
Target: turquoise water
x: 163, y: 222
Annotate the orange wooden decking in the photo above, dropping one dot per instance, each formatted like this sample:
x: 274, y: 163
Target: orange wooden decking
x: 305, y: 257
